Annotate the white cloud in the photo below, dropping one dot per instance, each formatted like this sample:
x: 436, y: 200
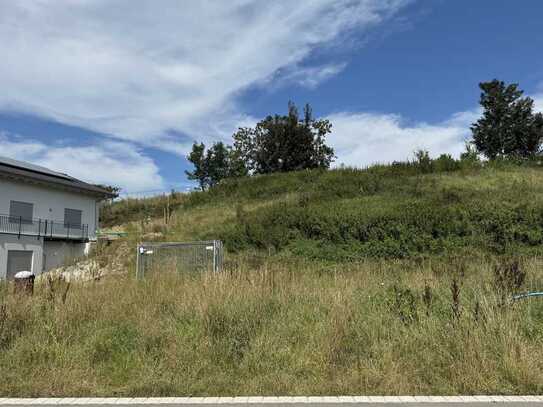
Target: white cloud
x: 362, y: 139
x: 136, y: 70
x: 309, y: 77
x: 111, y: 163
x: 538, y: 102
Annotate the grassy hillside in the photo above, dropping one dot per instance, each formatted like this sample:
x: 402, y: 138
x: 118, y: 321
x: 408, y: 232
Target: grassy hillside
x: 392, y: 280
x: 398, y: 211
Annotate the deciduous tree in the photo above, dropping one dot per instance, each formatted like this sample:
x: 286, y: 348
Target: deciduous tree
x: 285, y: 143
x: 508, y: 127
x: 214, y: 164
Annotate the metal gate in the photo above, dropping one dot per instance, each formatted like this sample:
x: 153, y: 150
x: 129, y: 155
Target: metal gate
x: 179, y: 257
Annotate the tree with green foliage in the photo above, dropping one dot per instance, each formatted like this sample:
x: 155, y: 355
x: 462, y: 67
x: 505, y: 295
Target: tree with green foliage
x: 470, y: 154
x: 197, y: 158
x: 214, y: 164
x: 285, y: 143
x: 110, y: 188
x: 508, y: 127
x: 223, y: 162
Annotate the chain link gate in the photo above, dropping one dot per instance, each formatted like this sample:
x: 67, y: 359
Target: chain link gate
x: 179, y: 257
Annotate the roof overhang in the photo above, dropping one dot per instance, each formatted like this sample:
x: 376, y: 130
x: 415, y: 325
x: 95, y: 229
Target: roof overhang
x: 67, y: 183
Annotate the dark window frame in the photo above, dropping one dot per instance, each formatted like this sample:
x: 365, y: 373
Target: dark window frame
x: 16, y: 213
x: 68, y: 218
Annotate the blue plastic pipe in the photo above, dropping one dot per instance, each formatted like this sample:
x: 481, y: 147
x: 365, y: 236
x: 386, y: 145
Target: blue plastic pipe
x: 527, y: 295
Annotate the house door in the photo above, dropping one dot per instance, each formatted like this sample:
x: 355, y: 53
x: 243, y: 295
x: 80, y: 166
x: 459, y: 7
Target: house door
x: 18, y: 260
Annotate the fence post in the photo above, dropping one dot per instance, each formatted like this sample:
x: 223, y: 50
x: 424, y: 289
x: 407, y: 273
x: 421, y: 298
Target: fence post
x: 20, y: 224
x: 214, y: 256
x: 221, y: 255
x: 39, y: 228
x: 139, y: 263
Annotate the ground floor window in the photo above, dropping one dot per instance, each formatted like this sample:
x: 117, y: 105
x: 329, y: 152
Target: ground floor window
x: 18, y: 260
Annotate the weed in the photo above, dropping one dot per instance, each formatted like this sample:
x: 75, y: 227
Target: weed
x: 427, y: 298
x: 509, y: 275
x: 404, y: 304
x: 281, y: 328
x: 477, y: 311
x: 455, y: 293
x: 57, y: 289
x: 422, y: 158
x: 3, y: 324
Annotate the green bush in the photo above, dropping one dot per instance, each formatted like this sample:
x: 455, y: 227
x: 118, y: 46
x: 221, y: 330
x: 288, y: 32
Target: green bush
x: 371, y: 221
x: 138, y: 209
x: 407, y: 209
x: 445, y: 162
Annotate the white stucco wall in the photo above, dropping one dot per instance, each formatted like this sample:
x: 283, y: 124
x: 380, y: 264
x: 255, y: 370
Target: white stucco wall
x: 54, y: 253
x: 8, y: 242
x: 59, y: 253
x: 49, y: 203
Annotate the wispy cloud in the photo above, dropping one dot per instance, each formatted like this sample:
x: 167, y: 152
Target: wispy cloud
x: 308, y: 77
x: 155, y: 74
x: 110, y: 163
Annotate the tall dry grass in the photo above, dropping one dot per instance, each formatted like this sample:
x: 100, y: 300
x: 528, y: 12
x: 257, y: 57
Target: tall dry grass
x: 289, y: 328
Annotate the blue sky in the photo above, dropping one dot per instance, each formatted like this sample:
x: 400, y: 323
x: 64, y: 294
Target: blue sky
x: 116, y: 93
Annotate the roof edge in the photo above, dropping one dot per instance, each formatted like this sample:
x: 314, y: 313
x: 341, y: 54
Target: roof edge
x: 13, y: 171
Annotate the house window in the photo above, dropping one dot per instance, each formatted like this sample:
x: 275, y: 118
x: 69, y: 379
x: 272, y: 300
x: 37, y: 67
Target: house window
x: 18, y: 260
x: 21, y: 211
x: 72, y: 218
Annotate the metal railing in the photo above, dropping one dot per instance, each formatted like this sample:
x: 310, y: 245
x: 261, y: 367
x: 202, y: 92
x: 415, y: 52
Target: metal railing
x: 179, y: 257
x: 49, y: 229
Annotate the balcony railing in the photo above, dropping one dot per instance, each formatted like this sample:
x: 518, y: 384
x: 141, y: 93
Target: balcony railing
x: 47, y: 229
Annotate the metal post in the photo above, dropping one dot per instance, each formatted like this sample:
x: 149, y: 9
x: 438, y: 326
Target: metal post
x: 39, y: 228
x: 138, y: 262
x: 221, y: 255
x: 214, y: 256
x: 20, y: 224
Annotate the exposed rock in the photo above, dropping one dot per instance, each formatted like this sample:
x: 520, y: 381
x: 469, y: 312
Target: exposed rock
x: 83, y: 270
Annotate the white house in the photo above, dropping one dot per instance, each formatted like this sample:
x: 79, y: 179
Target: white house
x: 46, y: 217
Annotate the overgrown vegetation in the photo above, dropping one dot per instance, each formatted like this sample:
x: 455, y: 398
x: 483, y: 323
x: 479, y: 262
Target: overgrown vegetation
x: 283, y: 327
x: 349, y: 215
x: 334, y: 284
x: 140, y: 209
x: 395, y: 279
x: 421, y: 208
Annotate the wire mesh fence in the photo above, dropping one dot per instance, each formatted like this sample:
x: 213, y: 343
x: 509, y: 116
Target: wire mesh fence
x: 179, y: 257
